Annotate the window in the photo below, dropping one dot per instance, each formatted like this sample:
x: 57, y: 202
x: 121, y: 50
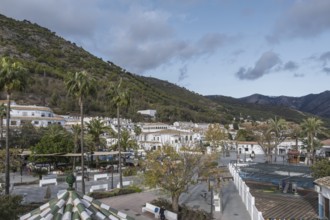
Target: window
x: 36, y: 122
x: 42, y: 114
x: 24, y: 113
x: 13, y: 122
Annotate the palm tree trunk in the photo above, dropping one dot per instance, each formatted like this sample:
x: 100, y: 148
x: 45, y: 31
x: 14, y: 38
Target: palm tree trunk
x: 119, y: 150
x: 82, y: 145
x: 7, y: 168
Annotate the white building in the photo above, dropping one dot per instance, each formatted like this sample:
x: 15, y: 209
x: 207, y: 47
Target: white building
x: 38, y: 116
x: 156, y: 135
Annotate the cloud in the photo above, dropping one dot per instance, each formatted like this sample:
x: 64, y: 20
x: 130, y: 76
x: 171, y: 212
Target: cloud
x: 326, y: 70
x: 60, y: 16
x: 263, y: 66
x: 183, y: 73
x: 290, y: 66
x: 325, y: 57
x: 299, y: 75
x: 305, y: 19
x: 137, y: 36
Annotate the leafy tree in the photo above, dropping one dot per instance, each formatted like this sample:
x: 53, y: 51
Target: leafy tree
x: 279, y: 131
x: 10, y: 206
x: 15, y: 161
x: 321, y: 168
x: 216, y: 136
x: 12, y: 78
x: 264, y: 139
x: 171, y: 171
x: 244, y: 135
x: 55, y: 140
x: 26, y: 136
x: 80, y: 85
x: 119, y: 98
x: 311, y: 127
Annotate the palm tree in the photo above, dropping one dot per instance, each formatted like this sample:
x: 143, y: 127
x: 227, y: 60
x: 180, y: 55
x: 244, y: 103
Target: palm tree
x: 3, y: 112
x: 119, y: 98
x: 311, y: 127
x: 12, y: 78
x: 76, y: 130
x: 95, y: 128
x: 80, y: 85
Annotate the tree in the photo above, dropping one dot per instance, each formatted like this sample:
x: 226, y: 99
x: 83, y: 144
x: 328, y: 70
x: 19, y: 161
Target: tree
x: 76, y: 129
x: 55, y: 140
x: 279, y: 131
x: 81, y: 85
x: 216, y: 136
x: 171, y: 171
x: 15, y: 161
x: 311, y: 127
x: 119, y: 98
x: 264, y: 139
x: 26, y: 136
x: 10, y: 206
x: 95, y: 128
x: 295, y: 132
x: 12, y: 78
x: 321, y: 168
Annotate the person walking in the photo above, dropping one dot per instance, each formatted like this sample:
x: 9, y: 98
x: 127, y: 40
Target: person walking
x: 162, y: 213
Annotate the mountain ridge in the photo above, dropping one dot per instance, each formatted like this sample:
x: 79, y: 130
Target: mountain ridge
x: 317, y: 104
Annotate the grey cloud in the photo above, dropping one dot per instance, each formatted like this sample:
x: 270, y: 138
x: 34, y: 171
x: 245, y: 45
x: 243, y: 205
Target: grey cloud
x: 265, y: 63
x: 305, y: 19
x: 299, y: 75
x: 290, y: 66
x: 325, y: 57
x: 326, y: 70
x: 58, y: 15
x: 183, y: 73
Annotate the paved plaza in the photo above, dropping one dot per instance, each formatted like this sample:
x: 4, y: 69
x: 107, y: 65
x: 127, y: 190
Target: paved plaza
x: 232, y: 206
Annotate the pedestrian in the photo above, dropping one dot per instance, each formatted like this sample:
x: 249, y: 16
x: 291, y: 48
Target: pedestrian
x: 162, y: 213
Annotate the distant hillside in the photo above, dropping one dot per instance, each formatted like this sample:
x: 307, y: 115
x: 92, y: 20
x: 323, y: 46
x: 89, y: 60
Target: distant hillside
x: 257, y: 111
x: 48, y: 58
x: 317, y: 104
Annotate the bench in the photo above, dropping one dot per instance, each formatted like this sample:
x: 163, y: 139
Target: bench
x: 47, y: 182
x: 101, y: 176
x: 171, y: 215
x: 125, y: 183
x: 102, y: 187
x: 152, y: 209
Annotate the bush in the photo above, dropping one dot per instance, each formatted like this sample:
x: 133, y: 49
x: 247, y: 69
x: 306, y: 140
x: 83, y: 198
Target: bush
x: 184, y: 211
x: 115, y: 192
x: 130, y: 171
x: 10, y: 206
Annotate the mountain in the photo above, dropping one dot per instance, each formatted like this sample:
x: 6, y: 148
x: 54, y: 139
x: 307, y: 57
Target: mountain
x: 48, y: 58
x: 317, y: 104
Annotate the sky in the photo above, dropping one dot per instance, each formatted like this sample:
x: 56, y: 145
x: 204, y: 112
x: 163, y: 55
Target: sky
x: 212, y: 47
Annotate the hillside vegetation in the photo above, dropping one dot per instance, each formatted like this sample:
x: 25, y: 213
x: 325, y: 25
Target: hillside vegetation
x: 48, y: 58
